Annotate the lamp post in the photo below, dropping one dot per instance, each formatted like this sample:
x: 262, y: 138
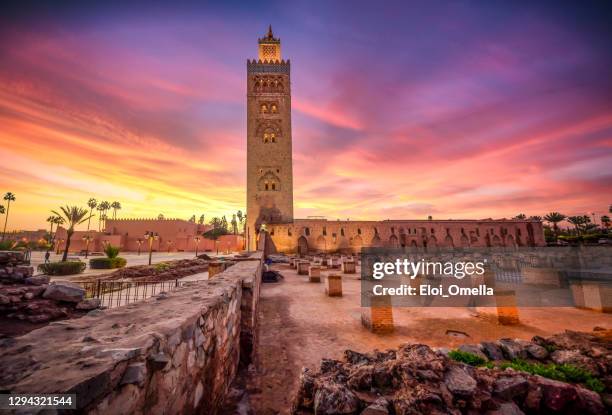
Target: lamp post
x: 197, y: 242
x: 169, y: 245
x: 139, y: 241
x: 151, y: 236
x: 217, y: 245
x: 87, y: 239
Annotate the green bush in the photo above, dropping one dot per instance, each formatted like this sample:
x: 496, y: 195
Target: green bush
x: 111, y: 251
x: 564, y: 373
x: 466, y: 357
x: 107, y: 263
x: 161, y: 266
x: 62, y: 268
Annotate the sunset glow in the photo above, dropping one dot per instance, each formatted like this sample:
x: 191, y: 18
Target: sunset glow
x: 473, y: 112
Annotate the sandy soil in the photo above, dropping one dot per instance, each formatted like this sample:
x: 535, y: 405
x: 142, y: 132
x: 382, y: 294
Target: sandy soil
x: 299, y: 325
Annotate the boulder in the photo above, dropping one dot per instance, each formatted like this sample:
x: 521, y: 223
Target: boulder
x: 38, y: 280
x: 473, y: 349
x: 332, y: 398
x: 510, y: 387
x: 492, y: 351
x: 575, y: 358
x: 556, y: 395
x: 89, y: 304
x: 512, y: 349
x: 459, y: 382
x: 64, y: 291
x: 379, y: 407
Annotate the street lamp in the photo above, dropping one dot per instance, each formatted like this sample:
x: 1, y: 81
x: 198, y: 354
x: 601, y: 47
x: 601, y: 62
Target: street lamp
x: 87, y: 239
x: 169, y: 245
x: 151, y: 236
x: 217, y: 245
x: 197, y: 242
x: 139, y: 241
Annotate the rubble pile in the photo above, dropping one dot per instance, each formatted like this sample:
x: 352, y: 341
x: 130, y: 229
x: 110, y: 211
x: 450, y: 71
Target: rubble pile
x: 416, y: 379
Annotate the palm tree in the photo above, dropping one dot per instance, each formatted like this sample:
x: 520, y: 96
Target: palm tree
x: 577, y: 221
x: 521, y: 216
x: 201, y: 220
x: 9, y: 197
x: 74, y: 216
x: 116, y: 206
x: 234, y: 224
x: 92, y: 203
x: 100, y: 209
x: 51, y: 220
x: 554, y: 218
x: 536, y: 217
x: 605, y: 221
x: 105, y: 208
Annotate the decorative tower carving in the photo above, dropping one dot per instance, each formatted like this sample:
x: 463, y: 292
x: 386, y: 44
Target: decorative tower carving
x: 269, y: 148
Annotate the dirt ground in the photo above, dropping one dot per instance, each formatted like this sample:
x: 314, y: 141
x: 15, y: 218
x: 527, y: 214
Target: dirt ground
x: 299, y: 325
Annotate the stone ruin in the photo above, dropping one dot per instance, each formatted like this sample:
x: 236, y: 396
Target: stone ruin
x: 416, y: 379
x: 32, y: 298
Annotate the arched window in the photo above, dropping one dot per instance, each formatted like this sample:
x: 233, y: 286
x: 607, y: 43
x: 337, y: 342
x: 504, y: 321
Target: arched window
x: 273, y: 109
x: 273, y: 186
x: 342, y: 231
x: 266, y: 185
x: 263, y: 109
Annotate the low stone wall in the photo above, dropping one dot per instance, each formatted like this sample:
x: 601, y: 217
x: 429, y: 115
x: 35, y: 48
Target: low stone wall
x: 176, y: 353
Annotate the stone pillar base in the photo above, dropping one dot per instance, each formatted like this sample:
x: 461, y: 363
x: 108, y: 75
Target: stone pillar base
x: 378, y: 318
x: 348, y: 267
x: 507, y: 311
x: 334, y: 286
x: 597, y: 296
x: 314, y: 273
x: 302, y: 267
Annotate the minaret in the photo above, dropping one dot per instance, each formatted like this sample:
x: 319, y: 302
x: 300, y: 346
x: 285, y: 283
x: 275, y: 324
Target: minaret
x: 269, y: 162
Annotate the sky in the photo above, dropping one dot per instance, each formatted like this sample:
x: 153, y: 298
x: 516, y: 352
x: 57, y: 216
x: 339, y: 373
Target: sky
x: 401, y: 110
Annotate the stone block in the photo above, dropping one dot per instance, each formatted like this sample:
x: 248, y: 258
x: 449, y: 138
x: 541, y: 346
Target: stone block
x: 334, y: 285
x: 542, y: 276
x: 334, y: 262
x: 314, y: 273
x: 378, y: 317
x: 64, y: 291
x: 597, y: 296
x: 507, y: 311
x: 215, y: 268
x: 349, y: 267
x: 302, y: 267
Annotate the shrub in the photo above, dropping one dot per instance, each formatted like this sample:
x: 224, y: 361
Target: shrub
x: 111, y: 251
x: 62, y: 268
x: 107, y: 263
x: 564, y: 373
x: 466, y: 357
x: 161, y: 267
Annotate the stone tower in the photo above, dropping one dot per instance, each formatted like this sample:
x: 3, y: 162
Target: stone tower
x: 269, y: 164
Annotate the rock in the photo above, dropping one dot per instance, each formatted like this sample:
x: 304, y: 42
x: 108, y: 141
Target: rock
x: 355, y: 357
x: 135, y: 373
x: 473, y: 349
x: 556, y: 395
x: 360, y: 378
x: 28, y: 296
x: 574, y: 357
x: 512, y: 349
x: 38, y: 280
x: 89, y: 304
x: 159, y: 361
x: 588, y: 402
x: 459, y: 382
x: 328, y: 365
x: 536, y: 351
x: 492, y: 351
x: 4, y: 300
x: 533, y: 398
x: 332, y: 398
x: 511, y: 387
x: 305, y: 394
x: 94, y: 313
x: 506, y: 408
x: 64, y: 291
x: 120, y: 354
x: 379, y: 407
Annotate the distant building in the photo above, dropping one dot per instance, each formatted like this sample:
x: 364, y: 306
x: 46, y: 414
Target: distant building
x: 270, y: 185
x: 174, y: 235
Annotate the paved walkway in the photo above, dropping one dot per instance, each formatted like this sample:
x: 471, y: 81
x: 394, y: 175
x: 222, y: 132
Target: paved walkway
x: 299, y: 325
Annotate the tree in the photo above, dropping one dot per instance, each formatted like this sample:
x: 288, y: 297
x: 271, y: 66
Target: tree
x: 9, y: 197
x: 105, y: 208
x: 536, y: 217
x: 74, y: 216
x: 160, y: 216
x: 234, y: 224
x: 100, y: 209
x: 92, y: 203
x: 554, y: 218
x: 116, y: 206
x: 192, y: 219
x: 605, y: 221
x: 578, y: 222
x: 201, y: 220
x: 521, y: 216
x: 224, y: 224
x: 51, y: 220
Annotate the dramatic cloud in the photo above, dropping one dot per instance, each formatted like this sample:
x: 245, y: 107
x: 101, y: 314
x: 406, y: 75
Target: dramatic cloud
x: 398, y: 112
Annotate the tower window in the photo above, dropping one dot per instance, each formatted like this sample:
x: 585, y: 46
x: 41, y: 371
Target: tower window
x: 307, y: 231
x: 358, y: 231
x: 288, y: 231
x: 266, y: 186
x: 263, y: 109
x: 273, y: 186
x: 324, y: 231
x: 274, y: 109
x: 342, y: 231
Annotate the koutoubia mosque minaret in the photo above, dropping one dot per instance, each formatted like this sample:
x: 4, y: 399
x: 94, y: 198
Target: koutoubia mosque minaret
x: 269, y: 160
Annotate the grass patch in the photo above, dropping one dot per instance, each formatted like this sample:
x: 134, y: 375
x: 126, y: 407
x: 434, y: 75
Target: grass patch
x: 564, y: 373
x: 466, y: 357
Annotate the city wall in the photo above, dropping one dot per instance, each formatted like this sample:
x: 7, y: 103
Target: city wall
x: 175, y: 353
